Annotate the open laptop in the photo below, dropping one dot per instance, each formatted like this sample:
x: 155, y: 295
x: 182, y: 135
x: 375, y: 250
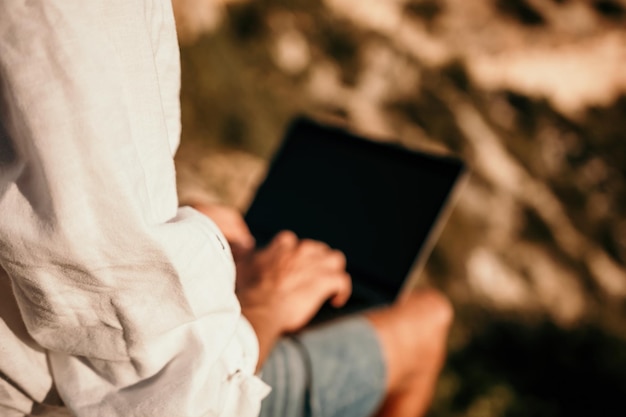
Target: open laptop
x: 382, y: 205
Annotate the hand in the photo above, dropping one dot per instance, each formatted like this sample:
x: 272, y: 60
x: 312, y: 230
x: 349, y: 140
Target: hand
x: 287, y: 283
x: 232, y: 225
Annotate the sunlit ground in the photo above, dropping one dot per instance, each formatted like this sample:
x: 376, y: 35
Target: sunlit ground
x: 532, y: 94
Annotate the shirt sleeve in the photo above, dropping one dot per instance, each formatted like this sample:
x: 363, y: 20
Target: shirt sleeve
x: 132, y: 297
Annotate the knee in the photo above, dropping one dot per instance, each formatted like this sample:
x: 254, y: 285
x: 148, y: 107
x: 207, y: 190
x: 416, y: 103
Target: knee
x: 414, y: 335
x: 432, y: 307
x: 440, y: 307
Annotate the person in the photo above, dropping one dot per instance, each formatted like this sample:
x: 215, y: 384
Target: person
x: 386, y: 360
x: 114, y: 301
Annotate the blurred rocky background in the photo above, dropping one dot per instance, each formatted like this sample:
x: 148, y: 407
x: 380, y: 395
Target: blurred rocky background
x: 531, y: 93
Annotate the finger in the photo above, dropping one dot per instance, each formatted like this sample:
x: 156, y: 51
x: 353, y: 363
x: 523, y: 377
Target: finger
x: 344, y: 293
x: 281, y: 246
x: 239, y: 235
x: 336, y: 260
x: 309, y: 247
x: 329, y: 261
x: 286, y: 239
x: 334, y: 286
x: 230, y: 222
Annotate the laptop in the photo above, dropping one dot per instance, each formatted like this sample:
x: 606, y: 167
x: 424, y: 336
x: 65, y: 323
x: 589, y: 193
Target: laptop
x: 382, y: 205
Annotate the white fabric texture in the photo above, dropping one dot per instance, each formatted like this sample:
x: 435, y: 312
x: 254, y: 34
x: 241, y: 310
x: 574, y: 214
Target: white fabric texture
x: 110, y: 294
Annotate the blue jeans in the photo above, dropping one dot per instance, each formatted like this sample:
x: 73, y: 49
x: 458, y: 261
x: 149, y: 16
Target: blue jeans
x: 333, y: 370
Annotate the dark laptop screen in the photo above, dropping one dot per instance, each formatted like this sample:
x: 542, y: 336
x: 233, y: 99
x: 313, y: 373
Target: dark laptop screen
x: 375, y: 202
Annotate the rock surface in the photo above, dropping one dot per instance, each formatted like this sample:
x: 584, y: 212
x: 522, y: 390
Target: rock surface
x: 531, y: 93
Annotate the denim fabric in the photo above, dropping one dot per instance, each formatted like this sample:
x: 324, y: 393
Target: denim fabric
x: 334, y: 370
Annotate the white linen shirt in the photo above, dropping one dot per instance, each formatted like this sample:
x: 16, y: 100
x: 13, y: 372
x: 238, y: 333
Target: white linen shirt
x: 109, y: 293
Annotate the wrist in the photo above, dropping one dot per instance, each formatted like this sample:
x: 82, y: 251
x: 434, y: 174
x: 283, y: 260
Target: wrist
x: 267, y: 331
